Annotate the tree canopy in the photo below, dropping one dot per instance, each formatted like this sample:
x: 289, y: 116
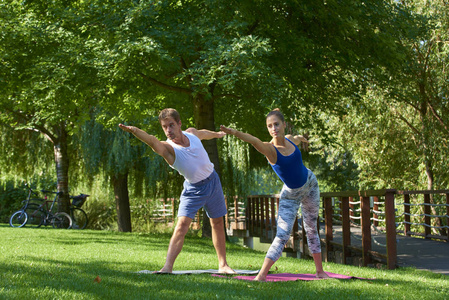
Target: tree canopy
x: 365, y: 81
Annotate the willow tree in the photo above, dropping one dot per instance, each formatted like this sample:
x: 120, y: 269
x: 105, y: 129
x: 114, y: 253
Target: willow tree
x: 45, y: 82
x: 115, y: 155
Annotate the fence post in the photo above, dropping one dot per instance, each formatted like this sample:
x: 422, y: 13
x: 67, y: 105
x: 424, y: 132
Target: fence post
x: 256, y: 207
x: 163, y: 209
x: 390, y: 221
x: 366, y: 229
x: 173, y: 209
x: 427, y: 229
x: 375, y: 209
x: 346, y: 226
x: 351, y: 208
x: 447, y: 216
x: 273, y: 219
x: 262, y: 216
x: 407, y: 214
x: 328, y: 212
x: 249, y: 219
x: 304, y: 237
x: 236, y: 212
x: 253, y: 215
x: 267, y: 217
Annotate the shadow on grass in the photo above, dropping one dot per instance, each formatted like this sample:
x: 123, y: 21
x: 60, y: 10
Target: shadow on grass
x: 34, y: 275
x: 58, y: 270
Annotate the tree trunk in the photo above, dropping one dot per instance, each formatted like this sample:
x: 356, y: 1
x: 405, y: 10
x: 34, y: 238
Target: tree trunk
x: 120, y: 183
x: 203, y: 111
x: 62, y: 166
x: 428, y: 159
x: 426, y: 146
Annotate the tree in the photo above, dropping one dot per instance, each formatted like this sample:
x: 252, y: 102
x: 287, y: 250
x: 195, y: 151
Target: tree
x: 424, y: 85
x: 425, y: 92
x: 46, y: 82
x: 398, y: 133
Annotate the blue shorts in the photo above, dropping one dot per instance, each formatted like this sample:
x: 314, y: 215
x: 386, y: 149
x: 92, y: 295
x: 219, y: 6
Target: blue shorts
x: 206, y: 193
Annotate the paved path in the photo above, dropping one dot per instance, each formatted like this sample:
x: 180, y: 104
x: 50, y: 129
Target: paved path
x: 412, y: 252
x: 423, y: 254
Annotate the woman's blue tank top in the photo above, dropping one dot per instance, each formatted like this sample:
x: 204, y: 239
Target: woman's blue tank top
x: 291, y: 169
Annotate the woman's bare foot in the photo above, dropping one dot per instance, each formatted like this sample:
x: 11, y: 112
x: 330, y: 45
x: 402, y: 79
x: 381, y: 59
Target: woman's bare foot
x: 322, y: 275
x: 260, y: 278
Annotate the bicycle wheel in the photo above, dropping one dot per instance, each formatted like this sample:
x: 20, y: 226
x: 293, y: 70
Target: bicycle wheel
x: 61, y: 220
x: 35, y: 215
x: 79, y: 218
x: 18, y: 219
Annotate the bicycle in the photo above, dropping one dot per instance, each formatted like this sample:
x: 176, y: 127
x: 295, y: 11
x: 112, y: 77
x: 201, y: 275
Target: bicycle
x: 20, y: 218
x: 79, y: 216
x: 42, y: 214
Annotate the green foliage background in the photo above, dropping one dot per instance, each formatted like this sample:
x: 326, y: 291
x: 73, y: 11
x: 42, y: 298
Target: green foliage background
x: 366, y: 82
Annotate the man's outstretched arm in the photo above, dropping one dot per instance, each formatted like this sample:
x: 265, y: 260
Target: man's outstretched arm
x: 161, y: 148
x: 205, y: 134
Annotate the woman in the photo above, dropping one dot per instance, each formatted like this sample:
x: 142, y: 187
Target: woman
x: 300, y: 189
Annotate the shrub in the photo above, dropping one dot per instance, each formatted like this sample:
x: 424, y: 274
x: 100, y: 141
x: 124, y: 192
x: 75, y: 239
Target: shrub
x: 10, y: 200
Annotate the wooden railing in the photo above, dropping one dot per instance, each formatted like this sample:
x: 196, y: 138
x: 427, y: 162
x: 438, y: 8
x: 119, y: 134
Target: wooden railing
x: 367, y: 210
x: 235, y: 218
x: 342, y: 207
x: 261, y: 212
x: 164, y: 211
x: 419, y: 222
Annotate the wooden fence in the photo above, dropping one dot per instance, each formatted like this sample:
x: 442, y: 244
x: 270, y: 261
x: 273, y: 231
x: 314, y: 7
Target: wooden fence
x: 421, y: 224
x: 368, y: 211
x: 342, y: 207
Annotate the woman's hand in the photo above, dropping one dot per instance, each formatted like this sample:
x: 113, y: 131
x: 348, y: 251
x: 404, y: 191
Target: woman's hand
x: 227, y: 130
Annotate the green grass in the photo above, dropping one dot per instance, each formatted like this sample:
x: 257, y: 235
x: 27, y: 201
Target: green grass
x: 63, y: 264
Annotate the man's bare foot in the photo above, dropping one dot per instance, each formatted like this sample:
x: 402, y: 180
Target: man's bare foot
x: 322, y: 275
x: 164, y: 271
x: 160, y: 272
x: 226, y: 270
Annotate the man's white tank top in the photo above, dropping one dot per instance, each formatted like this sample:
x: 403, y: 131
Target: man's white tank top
x: 192, y: 162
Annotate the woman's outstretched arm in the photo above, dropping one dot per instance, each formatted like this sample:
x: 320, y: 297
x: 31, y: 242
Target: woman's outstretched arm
x: 297, y: 139
x: 265, y: 148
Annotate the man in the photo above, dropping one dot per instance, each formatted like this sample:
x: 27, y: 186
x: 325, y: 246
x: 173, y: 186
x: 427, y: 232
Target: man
x: 184, y: 152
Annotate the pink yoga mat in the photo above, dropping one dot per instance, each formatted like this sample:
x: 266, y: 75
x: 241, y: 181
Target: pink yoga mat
x: 292, y: 277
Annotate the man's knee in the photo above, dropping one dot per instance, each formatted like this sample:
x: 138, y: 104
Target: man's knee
x: 217, y: 222
x: 182, y: 226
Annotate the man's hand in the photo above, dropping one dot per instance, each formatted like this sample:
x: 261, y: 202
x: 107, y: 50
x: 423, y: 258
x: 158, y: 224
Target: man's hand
x: 220, y: 134
x: 130, y: 129
x: 226, y: 130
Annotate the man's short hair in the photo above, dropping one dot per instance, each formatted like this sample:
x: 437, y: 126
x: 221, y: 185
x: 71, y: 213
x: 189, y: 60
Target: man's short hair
x: 169, y: 113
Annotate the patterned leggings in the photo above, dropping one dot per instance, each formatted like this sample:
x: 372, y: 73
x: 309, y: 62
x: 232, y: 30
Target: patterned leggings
x: 308, y: 197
